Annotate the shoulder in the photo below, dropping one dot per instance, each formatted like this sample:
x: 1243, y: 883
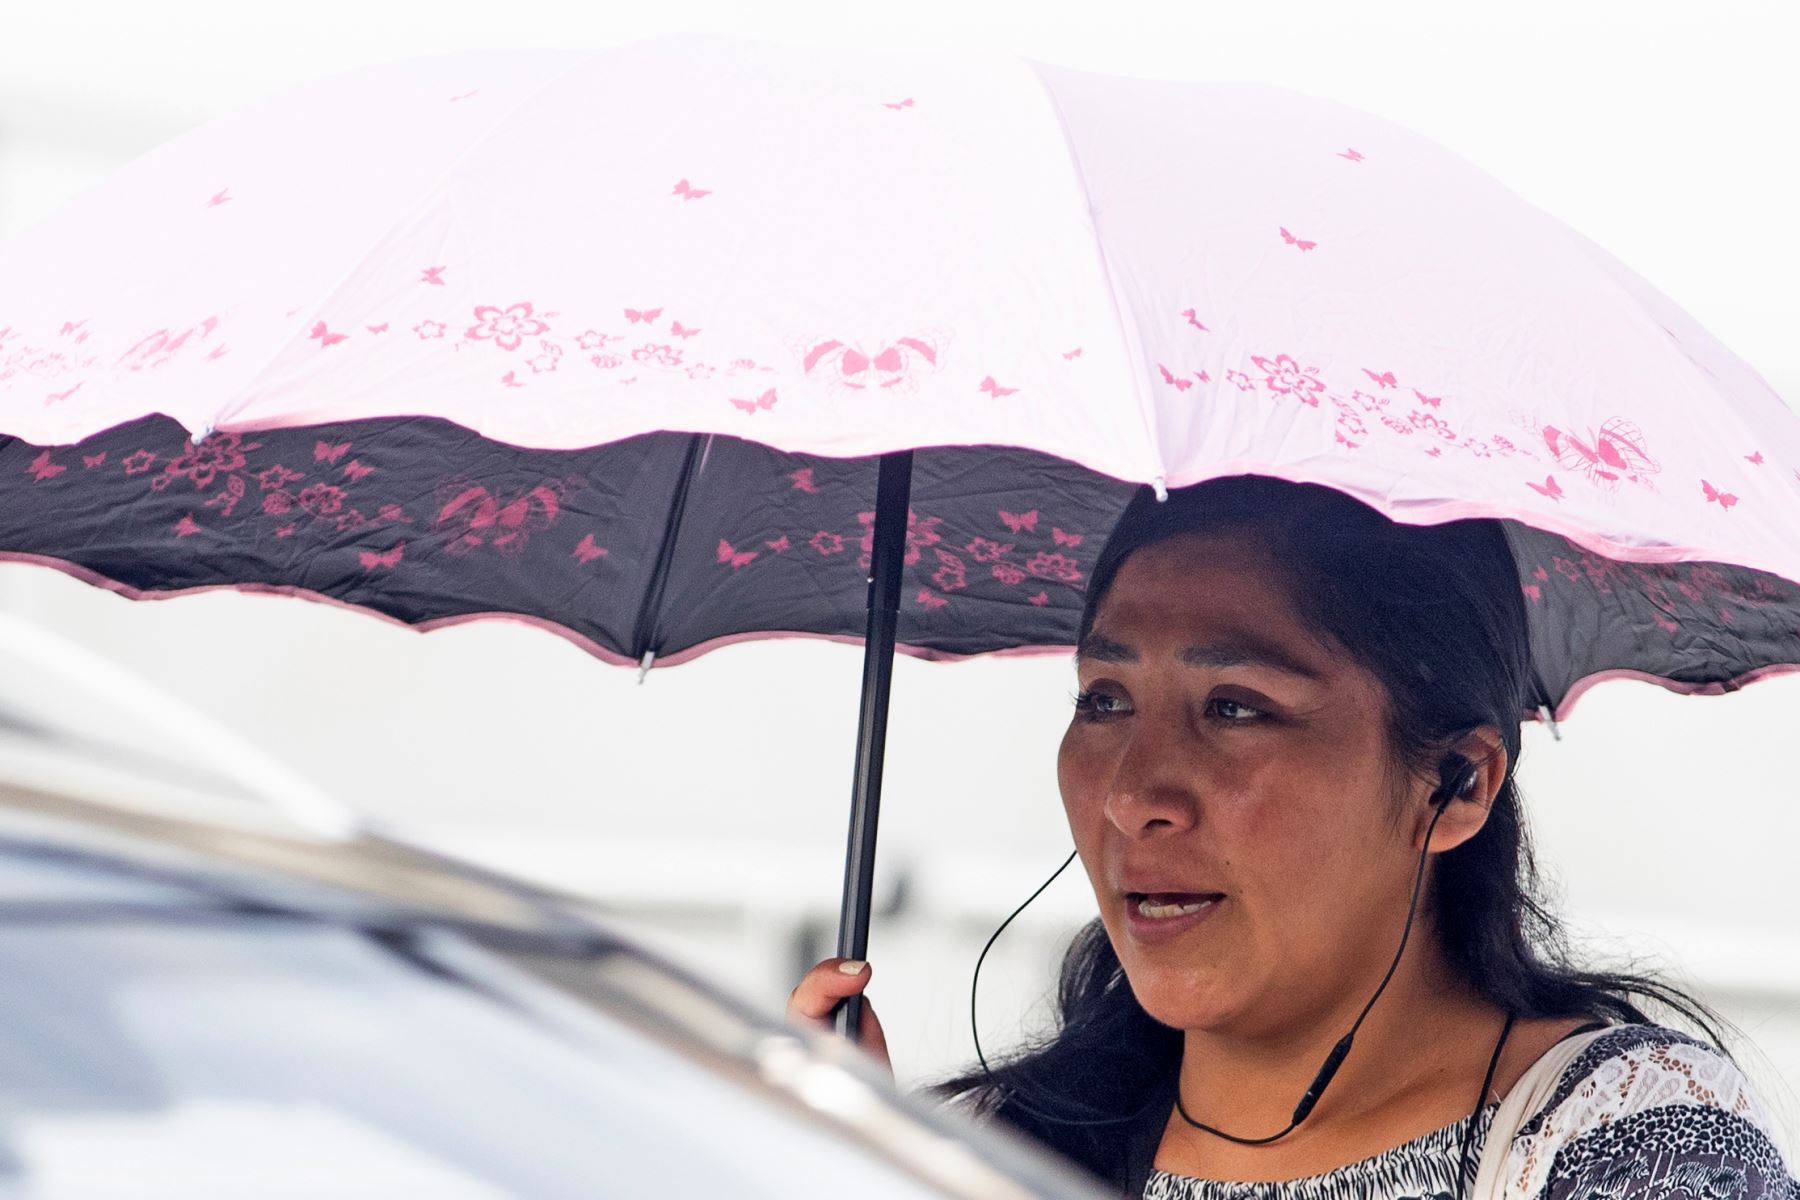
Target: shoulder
x: 1648, y: 1111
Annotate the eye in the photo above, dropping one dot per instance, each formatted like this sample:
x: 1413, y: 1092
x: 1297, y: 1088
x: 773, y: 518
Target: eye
x: 1095, y: 706
x: 1234, y: 712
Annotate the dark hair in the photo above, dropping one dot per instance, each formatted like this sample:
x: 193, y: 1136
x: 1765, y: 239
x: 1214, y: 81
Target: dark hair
x: 1436, y: 613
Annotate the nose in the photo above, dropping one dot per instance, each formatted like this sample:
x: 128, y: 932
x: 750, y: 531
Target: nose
x: 1152, y: 787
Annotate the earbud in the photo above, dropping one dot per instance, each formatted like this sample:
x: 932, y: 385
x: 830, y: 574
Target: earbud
x: 1456, y: 775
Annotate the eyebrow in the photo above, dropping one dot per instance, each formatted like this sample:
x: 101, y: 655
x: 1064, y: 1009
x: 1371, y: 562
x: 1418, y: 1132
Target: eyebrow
x: 1229, y: 652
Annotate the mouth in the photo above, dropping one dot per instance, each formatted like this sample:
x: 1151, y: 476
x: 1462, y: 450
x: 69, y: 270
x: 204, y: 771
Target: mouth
x: 1158, y: 916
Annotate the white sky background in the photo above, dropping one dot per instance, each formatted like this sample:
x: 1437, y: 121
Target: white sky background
x: 1662, y: 130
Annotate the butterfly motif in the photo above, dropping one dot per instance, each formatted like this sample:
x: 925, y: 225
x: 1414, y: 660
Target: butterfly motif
x: 1064, y: 539
x: 1436, y: 452
x: 1075, y: 353
x: 1428, y: 401
x: 737, y: 558
x: 1181, y: 385
x: 381, y: 328
x: 1194, y: 320
x: 1017, y: 521
x: 689, y: 193
x: 1534, y: 591
x: 325, y: 452
x: 1754, y: 459
x: 511, y: 379
x: 779, y: 544
x: 1353, y: 154
x: 1724, y: 499
x: 1291, y: 240
x: 895, y: 365
x: 218, y: 352
x: 187, y: 526
x: 90, y: 461
x: 1385, y: 379
x: 1616, y: 452
x: 434, y: 275
x: 930, y: 599
x: 766, y: 400
x: 587, y: 550
x: 1549, y: 487
x: 1041, y: 599
x: 680, y: 330
x: 988, y: 385
x: 354, y: 469
x: 803, y: 480
x: 389, y: 558
x: 219, y: 197
x: 42, y: 468
x: 648, y: 314
x: 324, y: 336
x: 59, y: 397
x: 287, y: 530
x: 906, y: 103
x: 1346, y: 441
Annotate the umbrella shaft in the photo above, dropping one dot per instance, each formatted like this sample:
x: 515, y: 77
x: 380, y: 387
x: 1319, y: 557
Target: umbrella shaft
x: 887, y: 563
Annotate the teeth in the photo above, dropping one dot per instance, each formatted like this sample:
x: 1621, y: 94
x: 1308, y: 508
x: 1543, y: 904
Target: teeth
x: 1170, y: 910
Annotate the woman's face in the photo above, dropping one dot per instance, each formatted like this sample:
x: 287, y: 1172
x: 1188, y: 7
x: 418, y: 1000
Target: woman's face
x: 1226, y: 756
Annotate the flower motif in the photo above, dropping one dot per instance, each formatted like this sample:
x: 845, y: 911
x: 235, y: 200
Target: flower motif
x: 593, y: 339
x: 1287, y: 376
x: 827, y: 543
x: 321, y: 499
x: 919, y: 534
x: 351, y: 518
x: 1503, y: 445
x: 949, y: 576
x: 1056, y: 566
x: 984, y: 550
x: 427, y: 330
x: 606, y: 361
x: 277, y: 476
x: 278, y: 503
x: 507, y: 326
x: 1396, y: 424
x: 137, y: 462
x: 1008, y: 574
x: 699, y: 371
x: 1244, y: 382
x: 1431, y: 423
x: 742, y: 364
x: 218, y: 455
x: 547, y: 360
x: 1567, y: 569
x: 668, y: 356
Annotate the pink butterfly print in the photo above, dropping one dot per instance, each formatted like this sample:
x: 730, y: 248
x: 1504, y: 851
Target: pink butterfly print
x: 1534, y: 591
x: 766, y: 400
x: 1017, y: 521
x: 433, y: 275
x: 1725, y: 499
x: 779, y: 544
x: 891, y: 366
x: 187, y: 526
x: 59, y: 397
x: 1291, y: 240
x: 90, y: 461
x: 1616, y: 452
x: 465, y: 95
x: 689, y: 193
x: 324, y: 452
x: 1385, y: 379
x: 511, y: 379
x: 354, y: 469
x: 1549, y: 487
x: 1346, y: 441
x: 680, y: 330
x: 587, y: 550
x: 287, y: 530
x: 381, y: 328
x: 1428, y: 401
x: 324, y: 336
x: 1754, y: 459
x: 1041, y: 599
x: 1075, y: 353
x: 930, y: 599
x: 906, y: 103
x: 1436, y: 452
x: 635, y: 315
x: 737, y: 558
x: 218, y: 352
x: 803, y: 480
x: 1181, y: 384
x: 1194, y: 320
x: 1353, y: 154
x: 476, y: 517
x: 388, y: 558
x: 42, y: 468
x: 1064, y: 539
x: 220, y: 197
x: 988, y: 385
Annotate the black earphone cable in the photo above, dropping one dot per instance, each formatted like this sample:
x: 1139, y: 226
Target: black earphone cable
x: 1454, y: 781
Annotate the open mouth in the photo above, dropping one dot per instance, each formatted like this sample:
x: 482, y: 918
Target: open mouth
x: 1166, y: 905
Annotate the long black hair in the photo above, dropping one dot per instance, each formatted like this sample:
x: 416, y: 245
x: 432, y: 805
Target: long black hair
x: 1436, y: 613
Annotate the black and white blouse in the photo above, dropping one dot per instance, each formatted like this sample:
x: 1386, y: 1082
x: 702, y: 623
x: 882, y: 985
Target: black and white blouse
x: 1644, y: 1113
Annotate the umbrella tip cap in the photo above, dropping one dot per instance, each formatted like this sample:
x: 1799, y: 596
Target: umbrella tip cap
x: 1161, y: 487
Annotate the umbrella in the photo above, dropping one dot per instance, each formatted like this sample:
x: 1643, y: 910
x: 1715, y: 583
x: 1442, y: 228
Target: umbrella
x: 701, y: 338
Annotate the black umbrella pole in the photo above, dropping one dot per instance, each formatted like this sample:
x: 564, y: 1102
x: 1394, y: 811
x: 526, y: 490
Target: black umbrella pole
x: 893, y: 494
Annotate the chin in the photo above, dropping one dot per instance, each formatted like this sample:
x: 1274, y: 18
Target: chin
x: 1183, y: 998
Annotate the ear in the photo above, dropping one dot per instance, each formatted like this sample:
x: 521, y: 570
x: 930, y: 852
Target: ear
x: 1464, y: 815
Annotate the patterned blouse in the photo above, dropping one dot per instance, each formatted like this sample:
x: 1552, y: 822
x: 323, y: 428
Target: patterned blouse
x: 1643, y: 1113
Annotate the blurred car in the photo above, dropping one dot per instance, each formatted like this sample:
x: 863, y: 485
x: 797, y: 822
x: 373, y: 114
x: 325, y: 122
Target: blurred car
x: 193, y: 1007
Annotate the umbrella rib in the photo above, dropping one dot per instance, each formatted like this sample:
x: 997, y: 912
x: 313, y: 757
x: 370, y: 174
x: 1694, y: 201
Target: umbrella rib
x: 643, y: 631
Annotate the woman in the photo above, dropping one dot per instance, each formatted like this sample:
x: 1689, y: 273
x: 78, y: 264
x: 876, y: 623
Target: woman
x: 1289, y: 777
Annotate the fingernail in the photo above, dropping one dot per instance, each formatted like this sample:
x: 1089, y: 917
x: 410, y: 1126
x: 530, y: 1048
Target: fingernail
x: 852, y: 966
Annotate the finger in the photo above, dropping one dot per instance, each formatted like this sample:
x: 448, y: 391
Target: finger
x: 826, y: 984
